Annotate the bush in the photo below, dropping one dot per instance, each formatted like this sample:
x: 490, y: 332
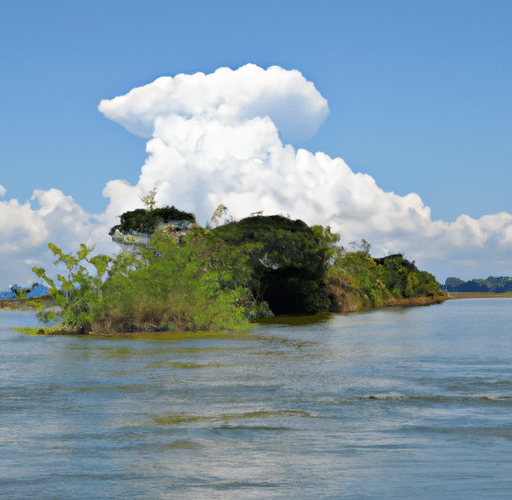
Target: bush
x: 289, y: 261
x: 374, y: 280
x: 199, y: 286
x: 146, y: 221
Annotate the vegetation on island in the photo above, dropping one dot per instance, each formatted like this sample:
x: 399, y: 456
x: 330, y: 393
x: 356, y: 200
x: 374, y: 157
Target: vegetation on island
x: 360, y: 281
x: 288, y: 261
x: 146, y: 220
x: 223, y: 278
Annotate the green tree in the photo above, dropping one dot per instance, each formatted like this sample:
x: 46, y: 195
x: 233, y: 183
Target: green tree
x: 146, y: 221
x: 361, y: 272
x: 149, y: 200
x: 289, y: 261
x: 201, y: 285
x: 216, y: 215
x: 80, y: 293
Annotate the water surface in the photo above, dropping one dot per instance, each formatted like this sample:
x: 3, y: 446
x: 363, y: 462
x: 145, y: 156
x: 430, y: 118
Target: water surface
x: 395, y: 403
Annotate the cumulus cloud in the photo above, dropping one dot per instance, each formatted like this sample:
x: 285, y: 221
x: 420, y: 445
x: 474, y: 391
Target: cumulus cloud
x: 26, y: 232
x: 2, y: 191
x: 227, y: 97
x: 222, y: 138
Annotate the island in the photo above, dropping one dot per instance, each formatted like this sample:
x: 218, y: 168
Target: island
x: 176, y: 276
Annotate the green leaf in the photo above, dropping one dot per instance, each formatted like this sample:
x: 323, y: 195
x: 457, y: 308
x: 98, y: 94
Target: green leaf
x: 82, y: 254
x: 55, y: 249
x: 100, y: 262
x: 60, y: 300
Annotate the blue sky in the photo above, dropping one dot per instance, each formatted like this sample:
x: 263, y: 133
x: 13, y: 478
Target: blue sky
x: 418, y: 93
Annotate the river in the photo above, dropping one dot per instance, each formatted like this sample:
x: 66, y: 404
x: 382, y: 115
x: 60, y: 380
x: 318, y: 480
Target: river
x: 394, y: 403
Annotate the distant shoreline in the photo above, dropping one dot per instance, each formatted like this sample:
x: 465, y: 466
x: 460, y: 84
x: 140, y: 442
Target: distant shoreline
x: 27, y: 304
x: 478, y: 295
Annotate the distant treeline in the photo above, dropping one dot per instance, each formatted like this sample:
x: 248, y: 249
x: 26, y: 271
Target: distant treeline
x: 492, y: 284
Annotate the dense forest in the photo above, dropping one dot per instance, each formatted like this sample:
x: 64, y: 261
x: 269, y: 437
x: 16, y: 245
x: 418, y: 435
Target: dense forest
x: 224, y: 277
x: 492, y: 284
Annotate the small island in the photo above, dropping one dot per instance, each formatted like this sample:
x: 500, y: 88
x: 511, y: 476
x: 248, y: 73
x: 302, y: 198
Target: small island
x: 176, y: 276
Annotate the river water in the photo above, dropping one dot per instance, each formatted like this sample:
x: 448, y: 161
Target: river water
x: 395, y: 403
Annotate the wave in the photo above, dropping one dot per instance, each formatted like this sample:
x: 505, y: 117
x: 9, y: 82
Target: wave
x: 428, y: 398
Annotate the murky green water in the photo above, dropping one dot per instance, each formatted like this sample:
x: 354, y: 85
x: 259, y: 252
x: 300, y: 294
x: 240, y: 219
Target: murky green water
x: 397, y: 403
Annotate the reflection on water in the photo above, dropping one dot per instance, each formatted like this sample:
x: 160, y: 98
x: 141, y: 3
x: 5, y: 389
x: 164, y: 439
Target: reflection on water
x: 411, y: 403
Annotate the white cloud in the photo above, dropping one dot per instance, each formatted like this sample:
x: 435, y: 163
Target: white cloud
x: 26, y: 232
x: 225, y: 96
x: 220, y: 138
x: 2, y: 191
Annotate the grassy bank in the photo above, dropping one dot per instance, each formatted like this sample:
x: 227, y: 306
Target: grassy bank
x: 354, y: 302
x: 414, y: 301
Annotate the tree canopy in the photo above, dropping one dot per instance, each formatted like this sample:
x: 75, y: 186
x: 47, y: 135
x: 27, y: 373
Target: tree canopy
x: 146, y: 221
x: 289, y: 261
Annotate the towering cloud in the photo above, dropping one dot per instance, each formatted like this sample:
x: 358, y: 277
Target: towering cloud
x: 222, y: 138
x: 227, y: 97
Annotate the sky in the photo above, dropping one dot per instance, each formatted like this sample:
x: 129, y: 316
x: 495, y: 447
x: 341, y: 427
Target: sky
x: 389, y: 121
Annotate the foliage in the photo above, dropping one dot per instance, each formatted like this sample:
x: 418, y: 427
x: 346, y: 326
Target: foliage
x: 20, y: 293
x: 289, y: 261
x: 80, y: 293
x: 222, y: 278
x: 375, y: 280
x: 199, y: 286
x: 216, y: 215
x: 149, y: 200
x: 493, y: 284
x: 361, y: 273
x: 146, y: 221
x: 404, y: 279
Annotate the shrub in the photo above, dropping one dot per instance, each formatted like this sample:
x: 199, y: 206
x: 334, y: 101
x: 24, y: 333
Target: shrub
x: 199, y: 286
x: 289, y: 261
x: 146, y: 221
